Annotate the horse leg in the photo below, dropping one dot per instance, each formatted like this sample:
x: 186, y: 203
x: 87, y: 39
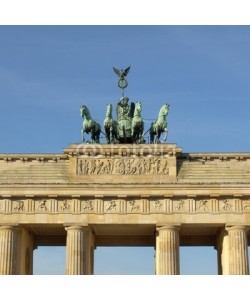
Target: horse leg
x: 114, y: 132
x: 82, y: 133
x: 166, y: 134
x: 158, y: 134
x: 141, y: 132
x: 111, y: 138
x: 106, y: 133
x: 98, y: 132
x: 151, y: 133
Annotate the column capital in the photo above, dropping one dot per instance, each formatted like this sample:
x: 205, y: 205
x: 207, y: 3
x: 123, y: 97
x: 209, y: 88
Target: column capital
x: 175, y: 227
x: 9, y: 227
x: 236, y: 227
x: 76, y: 227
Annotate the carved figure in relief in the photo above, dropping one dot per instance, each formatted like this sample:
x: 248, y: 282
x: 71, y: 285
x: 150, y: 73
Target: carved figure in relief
x: 135, y: 165
x: 163, y: 167
x: 105, y: 166
x: 111, y: 206
x: 65, y: 205
x: 80, y: 166
x: 133, y: 206
x: 92, y: 166
x: 140, y: 166
x: 153, y: 166
x: 227, y: 205
x: 120, y: 166
x: 180, y: 205
x: 19, y: 205
x: 247, y: 206
x: 158, y: 205
x: 42, y: 205
x: 126, y: 166
x: 203, y: 205
x: 87, y: 205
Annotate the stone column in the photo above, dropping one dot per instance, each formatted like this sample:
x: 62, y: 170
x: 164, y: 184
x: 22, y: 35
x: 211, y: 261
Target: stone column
x: 76, y: 251
x: 238, y: 252
x: 222, y: 248
x: 167, y: 250
x: 8, y: 250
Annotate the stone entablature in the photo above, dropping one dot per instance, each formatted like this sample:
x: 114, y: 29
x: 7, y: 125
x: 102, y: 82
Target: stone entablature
x: 146, y: 195
x: 124, y: 179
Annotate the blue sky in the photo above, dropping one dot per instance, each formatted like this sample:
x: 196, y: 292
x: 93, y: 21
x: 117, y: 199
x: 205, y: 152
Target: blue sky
x: 47, y: 72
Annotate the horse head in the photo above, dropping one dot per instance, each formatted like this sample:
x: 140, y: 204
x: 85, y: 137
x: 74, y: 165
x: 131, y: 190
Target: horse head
x: 138, y: 106
x: 137, y: 109
x: 84, y: 111
x: 164, y: 110
x: 109, y: 110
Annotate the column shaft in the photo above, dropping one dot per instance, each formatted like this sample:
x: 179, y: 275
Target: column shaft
x: 76, y: 256
x: 238, y: 251
x: 167, y: 251
x: 8, y: 250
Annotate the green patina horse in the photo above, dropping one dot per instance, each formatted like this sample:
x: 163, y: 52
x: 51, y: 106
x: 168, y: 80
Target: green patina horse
x: 89, y: 125
x: 160, y: 126
x: 110, y: 126
x: 137, y: 124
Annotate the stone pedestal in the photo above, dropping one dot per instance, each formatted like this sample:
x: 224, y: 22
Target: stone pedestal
x: 238, y: 252
x: 79, y: 250
x: 167, y: 251
x: 8, y: 250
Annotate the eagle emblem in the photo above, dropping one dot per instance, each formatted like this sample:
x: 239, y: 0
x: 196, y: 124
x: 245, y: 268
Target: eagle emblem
x: 121, y: 73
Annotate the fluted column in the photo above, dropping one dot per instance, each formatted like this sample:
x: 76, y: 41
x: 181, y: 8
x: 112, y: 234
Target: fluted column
x: 76, y: 256
x: 8, y: 250
x: 222, y: 248
x: 167, y: 261
x: 238, y: 252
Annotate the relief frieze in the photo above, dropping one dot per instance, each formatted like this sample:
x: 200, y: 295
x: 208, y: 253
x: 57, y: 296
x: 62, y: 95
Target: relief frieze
x: 123, y: 166
x: 117, y: 206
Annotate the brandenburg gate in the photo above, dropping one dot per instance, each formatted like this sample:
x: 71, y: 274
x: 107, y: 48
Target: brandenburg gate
x: 124, y: 195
